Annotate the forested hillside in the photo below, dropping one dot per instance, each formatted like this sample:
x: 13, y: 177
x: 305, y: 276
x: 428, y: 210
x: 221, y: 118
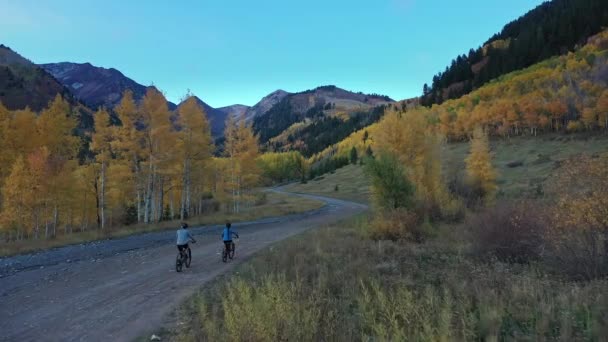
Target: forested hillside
x: 313, y: 119
x: 24, y: 84
x: 563, y: 94
x: 551, y: 29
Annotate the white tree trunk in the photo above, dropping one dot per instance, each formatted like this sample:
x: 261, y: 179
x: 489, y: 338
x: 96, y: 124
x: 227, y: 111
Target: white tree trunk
x: 102, y: 196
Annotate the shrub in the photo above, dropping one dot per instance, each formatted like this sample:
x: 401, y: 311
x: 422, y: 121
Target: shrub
x: 579, y: 235
x: 390, y: 187
x: 261, y: 198
x: 399, y: 224
x: 471, y: 193
x: 509, y: 232
x: 579, y: 254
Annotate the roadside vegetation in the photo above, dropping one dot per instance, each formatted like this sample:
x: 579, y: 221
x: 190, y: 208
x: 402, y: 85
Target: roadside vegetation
x: 449, y: 251
x: 267, y: 204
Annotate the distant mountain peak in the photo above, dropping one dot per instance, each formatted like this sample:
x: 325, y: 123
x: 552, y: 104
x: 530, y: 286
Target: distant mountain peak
x: 96, y: 86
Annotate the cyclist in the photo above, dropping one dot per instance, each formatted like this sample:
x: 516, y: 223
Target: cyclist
x: 227, y: 236
x: 183, y: 237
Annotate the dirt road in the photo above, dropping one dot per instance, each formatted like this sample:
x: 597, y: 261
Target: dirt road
x: 120, y: 289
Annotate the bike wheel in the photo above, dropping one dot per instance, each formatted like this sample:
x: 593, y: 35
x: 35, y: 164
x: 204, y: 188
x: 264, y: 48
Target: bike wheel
x: 231, y: 254
x: 178, y: 263
x: 188, y: 258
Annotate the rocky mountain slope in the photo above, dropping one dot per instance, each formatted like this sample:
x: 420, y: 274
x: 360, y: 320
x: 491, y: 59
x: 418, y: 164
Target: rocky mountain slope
x: 24, y: 84
x: 237, y: 111
x: 96, y: 86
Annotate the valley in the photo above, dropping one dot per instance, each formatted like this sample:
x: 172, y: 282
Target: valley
x: 472, y: 210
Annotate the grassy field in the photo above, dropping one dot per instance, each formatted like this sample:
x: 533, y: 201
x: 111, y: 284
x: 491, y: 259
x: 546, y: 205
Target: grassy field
x: 276, y: 205
x: 335, y: 284
x: 349, y: 183
x: 538, y: 157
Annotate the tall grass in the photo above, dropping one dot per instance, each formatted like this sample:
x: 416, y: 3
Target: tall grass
x: 336, y: 284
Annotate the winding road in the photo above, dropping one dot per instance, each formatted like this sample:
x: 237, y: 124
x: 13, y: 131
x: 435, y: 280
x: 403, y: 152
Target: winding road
x: 118, y: 290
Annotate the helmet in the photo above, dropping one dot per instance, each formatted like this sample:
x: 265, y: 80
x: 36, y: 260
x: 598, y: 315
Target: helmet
x: 228, y: 224
x: 184, y: 225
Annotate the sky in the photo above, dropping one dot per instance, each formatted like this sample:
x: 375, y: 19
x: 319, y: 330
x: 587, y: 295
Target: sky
x: 237, y: 51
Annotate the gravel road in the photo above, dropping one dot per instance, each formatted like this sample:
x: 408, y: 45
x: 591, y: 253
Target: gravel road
x: 117, y: 290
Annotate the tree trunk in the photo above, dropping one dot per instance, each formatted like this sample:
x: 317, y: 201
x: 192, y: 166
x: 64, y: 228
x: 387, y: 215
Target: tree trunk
x: 148, y: 195
x: 161, y: 199
x: 55, y: 220
x: 102, y: 196
x: 97, y: 204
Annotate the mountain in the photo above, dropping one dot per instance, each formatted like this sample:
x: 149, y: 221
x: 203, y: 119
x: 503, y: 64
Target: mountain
x: 265, y: 104
x: 24, y: 84
x: 96, y: 86
x: 237, y: 111
x: 217, y: 118
x: 551, y: 29
x: 310, y: 106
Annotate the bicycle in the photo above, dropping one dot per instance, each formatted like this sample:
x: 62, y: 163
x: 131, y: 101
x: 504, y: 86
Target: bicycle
x: 183, y: 258
x: 228, y: 254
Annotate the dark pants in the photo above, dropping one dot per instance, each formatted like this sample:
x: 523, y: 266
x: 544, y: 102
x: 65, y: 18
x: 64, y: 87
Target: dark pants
x: 182, y: 247
x: 228, y: 245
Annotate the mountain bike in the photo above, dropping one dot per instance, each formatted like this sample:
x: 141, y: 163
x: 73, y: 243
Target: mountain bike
x: 228, y: 254
x: 183, y: 258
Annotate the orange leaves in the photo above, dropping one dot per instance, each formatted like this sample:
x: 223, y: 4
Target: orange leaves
x: 479, y: 164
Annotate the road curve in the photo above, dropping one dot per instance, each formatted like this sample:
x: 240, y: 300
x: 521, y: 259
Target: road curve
x: 117, y: 290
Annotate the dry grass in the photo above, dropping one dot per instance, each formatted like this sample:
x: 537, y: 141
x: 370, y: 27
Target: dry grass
x: 539, y: 157
x: 333, y: 284
x: 276, y: 205
x: 351, y: 181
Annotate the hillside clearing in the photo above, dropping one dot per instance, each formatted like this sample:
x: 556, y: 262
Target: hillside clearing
x: 523, y: 164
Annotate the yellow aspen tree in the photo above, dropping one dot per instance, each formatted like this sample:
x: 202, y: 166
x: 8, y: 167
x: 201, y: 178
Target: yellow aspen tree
x: 128, y: 145
x: 480, y: 171
x: 241, y: 148
x: 17, y: 194
x: 194, y: 146
x: 407, y: 136
x: 56, y: 132
x: 55, y: 127
x: 38, y: 165
x: 101, y: 146
x: 156, y: 137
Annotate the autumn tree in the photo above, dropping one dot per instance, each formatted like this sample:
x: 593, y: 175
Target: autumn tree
x: 157, y: 137
x: 194, y: 146
x: 101, y: 146
x: 241, y: 148
x: 129, y: 146
x: 480, y: 172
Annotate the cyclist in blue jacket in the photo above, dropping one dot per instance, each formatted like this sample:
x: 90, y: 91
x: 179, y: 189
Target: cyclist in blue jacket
x: 227, y: 235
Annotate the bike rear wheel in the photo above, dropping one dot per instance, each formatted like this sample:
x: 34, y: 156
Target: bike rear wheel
x: 188, y: 257
x: 231, y: 253
x: 178, y: 263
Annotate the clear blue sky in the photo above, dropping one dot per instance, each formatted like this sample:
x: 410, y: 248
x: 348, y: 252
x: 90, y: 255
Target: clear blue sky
x: 229, y: 51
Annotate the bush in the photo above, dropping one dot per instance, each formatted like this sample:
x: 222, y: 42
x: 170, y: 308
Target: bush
x: 391, y: 188
x: 261, y: 198
x: 399, y: 224
x: 472, y: 194
x: 508, y: 232
x: 579, y: 254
